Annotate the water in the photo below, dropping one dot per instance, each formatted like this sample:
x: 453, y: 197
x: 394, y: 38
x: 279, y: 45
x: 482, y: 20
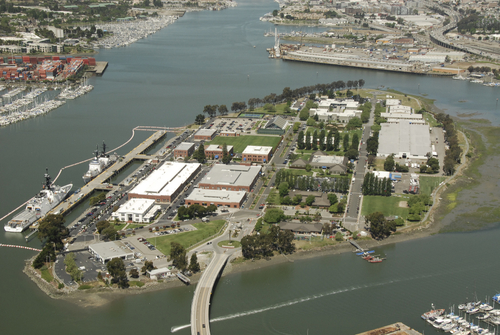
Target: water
x: 165, y: 80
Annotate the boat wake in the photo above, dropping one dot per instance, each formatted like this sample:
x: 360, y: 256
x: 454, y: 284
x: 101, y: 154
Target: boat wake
x: 320, y: 295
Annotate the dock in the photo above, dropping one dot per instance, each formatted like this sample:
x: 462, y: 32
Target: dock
x: 356, y: 245
x: 183, y: 278
x: 99, y: 68
x: 397, y: 328
x: 98, y: 182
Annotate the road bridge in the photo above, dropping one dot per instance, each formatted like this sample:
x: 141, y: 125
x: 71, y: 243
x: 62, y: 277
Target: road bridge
x: 200, y: 308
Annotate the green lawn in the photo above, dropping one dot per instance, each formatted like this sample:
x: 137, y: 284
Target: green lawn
x: 280, y: 110
x: 430, y: 120
x: 187, y: 239
x: 428, y: 184
x: 273, y: 198
x: 46, y: 274
x: 133, y: 283
x: 241, y: 142
x: 387, y: 205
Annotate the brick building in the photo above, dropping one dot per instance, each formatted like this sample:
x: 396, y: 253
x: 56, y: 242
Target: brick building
x: 205, y: 135
x: 215, y: 151
x: 232, y: 199
x: 185, y: 149
x: 230, y: 178
x: 259, y: 154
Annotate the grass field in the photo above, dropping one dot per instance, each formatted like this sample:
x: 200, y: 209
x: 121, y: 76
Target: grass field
x: 387, y: 205
x: 46, y: 274
x: 241, y: 142
x: 428, y: 184
x: 204, y: 230
x: 280, y: 110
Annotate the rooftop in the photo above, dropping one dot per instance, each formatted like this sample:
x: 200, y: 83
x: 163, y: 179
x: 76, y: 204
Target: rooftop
x: 320, y: 159
x: 110, y: 250
x: 257, y: 150
x: 211, y: 196
x: 166, y: 179
x: 136, y: 206
x: 217, y: 147
x: 184, y: 146
x: 234, y: 175
x: 404, y: 137
x: 205, y: 132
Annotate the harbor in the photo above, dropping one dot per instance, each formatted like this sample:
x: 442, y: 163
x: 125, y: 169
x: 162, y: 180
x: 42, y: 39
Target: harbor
x: 469, y: 318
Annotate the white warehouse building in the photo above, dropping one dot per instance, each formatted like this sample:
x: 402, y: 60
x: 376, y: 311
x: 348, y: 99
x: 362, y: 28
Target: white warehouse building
x: 137, y: 210
x: 405, y: 140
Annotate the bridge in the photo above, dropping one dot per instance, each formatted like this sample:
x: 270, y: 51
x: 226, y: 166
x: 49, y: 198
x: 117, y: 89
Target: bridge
x: 200, y: 307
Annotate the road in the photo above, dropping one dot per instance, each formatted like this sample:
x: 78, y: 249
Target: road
x: 200, y: 308
x: 351, y: 216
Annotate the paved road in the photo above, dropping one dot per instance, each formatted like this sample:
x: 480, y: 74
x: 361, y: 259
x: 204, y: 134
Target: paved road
x: 200, y: 308
x: 351, y: 216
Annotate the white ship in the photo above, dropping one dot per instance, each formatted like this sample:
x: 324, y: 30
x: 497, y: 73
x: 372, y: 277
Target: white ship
x: 100, y: 162
x: 38, y: 206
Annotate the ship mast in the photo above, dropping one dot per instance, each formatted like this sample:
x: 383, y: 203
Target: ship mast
x: 47, y: 179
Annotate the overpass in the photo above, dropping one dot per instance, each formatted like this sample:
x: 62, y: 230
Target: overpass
x: 200, y: 307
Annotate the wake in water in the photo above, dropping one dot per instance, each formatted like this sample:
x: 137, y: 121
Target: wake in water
x: 320, y: 295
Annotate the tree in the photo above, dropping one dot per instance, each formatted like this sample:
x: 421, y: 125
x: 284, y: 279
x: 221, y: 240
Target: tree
x: 300, y: 140
x: 354, y: 123
x: 351, y: 154
x: 310, y: 199
x: 329, y: 141
x: 178, y: 256
x: 379, y: 226
x: 339, y: 237
x: 200, y: 119
x: 148, y: 266
x: 258, y: 225
x: 389, y: 163
x: 223, y: 110
x: 116, y: 268
x: 346, y: 142
x: 110, y: 233
x: 52, y: 230
x: 226, y: 158
x: 308, y: 167
x: 274, y: 215
x: 355, y: 141
x: 336, y: 141
x: 199, y: 155
x: 332, y: 197
x: 194, y: 266
x: 71, y: 268
x: 283, y: 189
x: 134, y: 273
x: 372, y: 145
x: 304, y: 114
x: 308, y: 140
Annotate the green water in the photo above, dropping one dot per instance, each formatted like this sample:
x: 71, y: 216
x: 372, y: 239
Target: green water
x: 165, y: 80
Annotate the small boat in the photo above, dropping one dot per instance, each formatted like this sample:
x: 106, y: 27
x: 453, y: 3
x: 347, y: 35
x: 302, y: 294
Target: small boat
x: 483, y: 316
x: 472, y: 310
x: 485, y: 307
x: 375, y: 260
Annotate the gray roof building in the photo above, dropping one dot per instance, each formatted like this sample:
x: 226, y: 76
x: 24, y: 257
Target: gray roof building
x: 230, y: 177
x: 106, y: 251
x: 274, y: 126
x: 404, y: 140
x: 298, y: 227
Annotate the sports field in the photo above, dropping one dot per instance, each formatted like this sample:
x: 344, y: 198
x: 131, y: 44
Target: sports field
x: 240, y: 143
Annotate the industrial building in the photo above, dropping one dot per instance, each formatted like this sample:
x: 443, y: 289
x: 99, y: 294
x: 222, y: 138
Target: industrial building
x: 185, y: 149
x: 205, y: 135
x: 230, y: 178
x: 336, y: 164
x: 203, y: 197
x: 337, y: 110
x: 214, y: 151
x: 106, y: 251
x: 260, y: 154
x: 137, y: 210
x: 405, y: 140
x: 166, y: 182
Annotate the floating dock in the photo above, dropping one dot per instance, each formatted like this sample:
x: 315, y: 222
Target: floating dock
x: 397, y: 328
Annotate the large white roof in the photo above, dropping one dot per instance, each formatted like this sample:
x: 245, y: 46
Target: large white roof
x: 233, y: 175
x: 136, y: 206
x: 403, y: 137
x: 166, y: 179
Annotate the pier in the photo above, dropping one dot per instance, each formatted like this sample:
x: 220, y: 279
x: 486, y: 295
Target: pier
x: 97, y: 182
x: 200, y: 307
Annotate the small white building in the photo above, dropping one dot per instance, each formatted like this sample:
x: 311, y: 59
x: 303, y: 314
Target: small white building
x: 137, y: 210
x: 106, y: 251
x: 392, y: 102
x: 160, y: 273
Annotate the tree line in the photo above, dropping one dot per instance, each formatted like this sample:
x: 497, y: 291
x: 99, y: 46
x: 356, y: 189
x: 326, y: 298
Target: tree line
x: 264, y: 245
x: 372, y: 185
x: 454, y: 153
